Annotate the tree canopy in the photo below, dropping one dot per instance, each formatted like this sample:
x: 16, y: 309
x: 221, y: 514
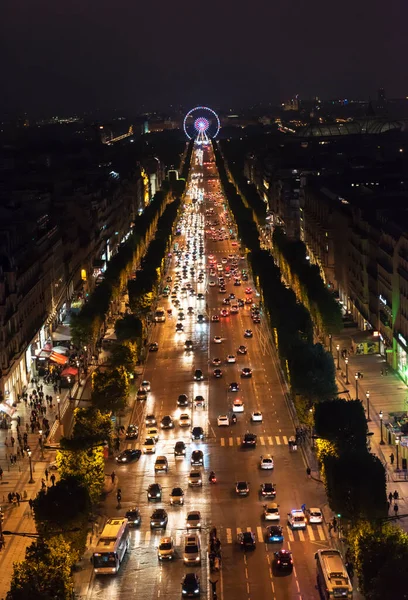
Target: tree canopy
x: 110, y: 389
x: 343, y: 423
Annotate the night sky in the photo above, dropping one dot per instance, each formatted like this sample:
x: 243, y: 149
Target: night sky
x: 66, y: 55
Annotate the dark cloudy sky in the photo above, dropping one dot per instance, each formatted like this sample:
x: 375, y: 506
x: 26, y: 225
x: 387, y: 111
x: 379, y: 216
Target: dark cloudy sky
x: 69, y: 55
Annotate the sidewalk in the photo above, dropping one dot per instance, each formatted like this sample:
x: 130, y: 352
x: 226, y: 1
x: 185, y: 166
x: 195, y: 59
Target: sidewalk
x: 16, y: 477
x: 387, y: 393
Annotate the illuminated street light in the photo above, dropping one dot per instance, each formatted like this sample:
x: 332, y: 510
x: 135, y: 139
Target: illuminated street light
x: 381, y: 415
x: 346, y: 361
x: 368, y: 405
x: 338, y: 356
x: 31, y: 480
x: 41, y: 443
x: 397, y: 441
x: 356, y: 378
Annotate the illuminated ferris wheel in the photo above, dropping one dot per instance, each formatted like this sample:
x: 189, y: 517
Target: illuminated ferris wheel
x: 202, y: 124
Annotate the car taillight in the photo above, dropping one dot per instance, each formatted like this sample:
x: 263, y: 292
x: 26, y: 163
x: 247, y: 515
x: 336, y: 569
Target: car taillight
x: 278, y: 562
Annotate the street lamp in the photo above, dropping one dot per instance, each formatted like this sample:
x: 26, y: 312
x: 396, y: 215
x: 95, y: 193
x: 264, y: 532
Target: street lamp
x: 41, y: 443
x: 330, y: 343
x: 69, y: 386
x: 79, y: 373
x: 381, y: 415
x: 356, y: 378
x: 31, y: 467
x: 397, y: 441
x: 346, y: 361
x: 338, y: 356
x: 59, y: 408
x: 368, y: 405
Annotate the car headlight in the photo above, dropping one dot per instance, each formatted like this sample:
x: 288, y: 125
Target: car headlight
x: 197, y: 558
x: 162, y: 522
x: 158, y: 495
x: 196, y: 591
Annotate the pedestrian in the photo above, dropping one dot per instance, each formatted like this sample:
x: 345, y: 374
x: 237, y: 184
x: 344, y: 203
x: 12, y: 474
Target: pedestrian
x: 113, y: 475
x: 392, y: 458
x: 10, y: 497
x: 388, y: 506
x: 43, y: 484
x: 18, y: 420
x: 382, y: 372
x: 395, y: 495
x: 18, y: 498
x: 1, y: 474
x: 309, y: 472
x: 396, y: 509
x: 31, y: 503
x: 303, y: 507
x: 13, y: 441
x: 334, y: 523
x: 390, y: 497
x: 46, y: 474
x: 53, y: 479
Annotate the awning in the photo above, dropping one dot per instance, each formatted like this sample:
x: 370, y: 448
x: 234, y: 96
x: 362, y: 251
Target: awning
x: 60, y: 350
x: 69, y: 371
x: 60, y: 359
x: 62, y: 333
x: 9, y: 410
x: 43, y: 354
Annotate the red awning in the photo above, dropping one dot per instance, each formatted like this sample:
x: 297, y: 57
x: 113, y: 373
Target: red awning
x: 58, y: 358
x: 69, y: 371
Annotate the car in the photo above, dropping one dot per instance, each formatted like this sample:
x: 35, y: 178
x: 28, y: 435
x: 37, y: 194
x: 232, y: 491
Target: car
x: 200, y: 319
x: 217, y: 339
x: 216, y: 362
x: 149, y: 446
x: 248, y: 301
x: 159, y: 519
x: 224, y: 313
x: 165, y: 550
x: 200, y: 296
x: 246, y: 540
x: 167, y: 422
x: 268, y: 490
x: 191, y: 552
x: 242, y: 488
x: 197, y: 458
x: 271, y: 512
x: 234, y: 309
x: 256, y: 319
x: 150, y: 420
x: 193, y: 520
x: 184, y: 420
x: 314, y: 515
x: 132, y: 432
x: 154, y: 491
x: 188, y: 345
x: 153, y: 347
x: 231, y: 359
x: 198, y: 375
x: 266, y: 462
x: 180, y: 449
x: 274, y: 534
x: 190, y: 310
x: 233, y: 387
x: 226, y: 301
x: 297, y: 519
x: 222, y: 290
x: 197, y: 433
x: 256, y: 416
x: 248, y: 333
x: 223, y: 421
x: 248, y: 290
x: 237, y: 406
x: 134, y: 517
x: 237, y: 282
x: 249, y: 440
x: 283, y: 560
x: 242, y: 350
x: 190, y: 585
x: 161, y: 465
x: 182, y: 400
x: 152, y: 432
x: 199, y: 401
x: 246, y: 372
x: 177, y: 497
x: 217, y: 373
x: 195, y: 479
x: 141, y: 394
x: 179, y: 327
x: 145, y: 385
x: 215, y: 318
x: 211, y: 283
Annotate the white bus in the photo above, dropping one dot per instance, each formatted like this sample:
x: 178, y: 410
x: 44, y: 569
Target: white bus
x: 112, y: 547
x: 332, y: 577
x: 160, y: 315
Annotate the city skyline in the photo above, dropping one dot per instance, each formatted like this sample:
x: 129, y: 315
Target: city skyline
x: 67, y: 57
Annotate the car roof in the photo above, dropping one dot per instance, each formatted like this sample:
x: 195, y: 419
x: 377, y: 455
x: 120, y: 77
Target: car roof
x: 315, y: 509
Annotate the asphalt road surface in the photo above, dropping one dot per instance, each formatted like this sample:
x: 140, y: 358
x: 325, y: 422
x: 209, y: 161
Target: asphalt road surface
x: 244, y: 575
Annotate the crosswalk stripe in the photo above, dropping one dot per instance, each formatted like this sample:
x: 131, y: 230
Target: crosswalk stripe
x: 270, y: 440
x: 259, y: 532
x: 290, y: 534
x: 262, y: 440
x: 222, y: 441
x: 277, y: 438
x: 238, y: 441
x: 301, y: 535
x: 229, y: 535
x: 321, y: 532
x: 148, y: 535
x: 311, y: 533
x: 239, y: 530
x: 285, y: 439
x: 231, y: 441
x: 248, y: 529
x: 178, y: 538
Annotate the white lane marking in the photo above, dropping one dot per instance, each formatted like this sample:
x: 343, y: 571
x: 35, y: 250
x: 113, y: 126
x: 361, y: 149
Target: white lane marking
x: 285, y: 439
x: 248, y: 529
x: 290, y: 534
x: 262, y: 440
x: 301, y: 535
x: 259, y: 532
x: 238, y: 441
x: 222, y: 441
x: 239, y: 530
x: 229, y: 535
x: 277, y: 438
x: 321, y: 532
x: 231, y: 441
x: 148, y: 535
x: 270, y: 440
x: 311, y: 533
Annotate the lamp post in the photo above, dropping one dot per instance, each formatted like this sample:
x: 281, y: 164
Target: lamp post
x: 346, y: 361
x: 59, y: 408
x: 79, y: 373
x: 41, y: 444
x: 381, y: 415
x: 356, y: 378
x: 330, y: 343
x: 397, y: 441
x: 338, y: 356
x: 69, y: 386
x: 31, y: 480
x: 368, y: 405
